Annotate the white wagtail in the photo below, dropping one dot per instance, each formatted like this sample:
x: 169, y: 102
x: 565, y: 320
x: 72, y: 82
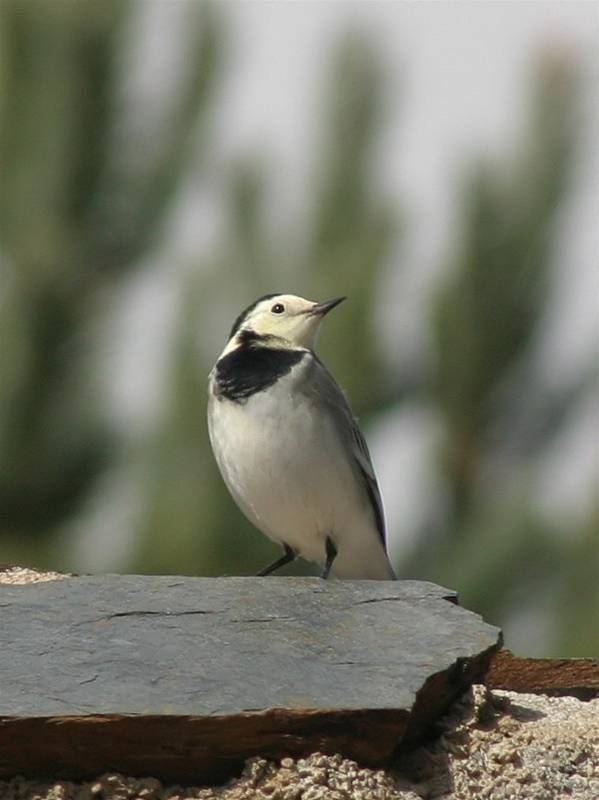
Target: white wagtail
x: 288, y: 446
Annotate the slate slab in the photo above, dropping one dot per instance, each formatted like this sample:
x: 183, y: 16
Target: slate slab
x: 577, y: 677
x: 184, y: 678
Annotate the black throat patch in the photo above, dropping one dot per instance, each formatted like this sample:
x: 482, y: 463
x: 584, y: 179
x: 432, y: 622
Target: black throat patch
x: 252, y: 367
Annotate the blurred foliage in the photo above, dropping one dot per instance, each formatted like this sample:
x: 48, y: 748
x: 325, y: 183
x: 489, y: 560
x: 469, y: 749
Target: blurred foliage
x: 87, y: 190
x: 76, y: 214
x: 488, y: 312
x: 497, y: 416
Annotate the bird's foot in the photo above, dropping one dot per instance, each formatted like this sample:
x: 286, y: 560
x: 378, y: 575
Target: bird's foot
x: 331, y: 552
x: 289, y: 555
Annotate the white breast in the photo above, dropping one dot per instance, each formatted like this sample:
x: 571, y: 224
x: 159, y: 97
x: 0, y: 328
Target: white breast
x: 286, y: 468
x: 283, y: 464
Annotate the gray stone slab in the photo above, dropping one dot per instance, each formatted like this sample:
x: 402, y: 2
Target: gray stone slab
x: 237, y: 664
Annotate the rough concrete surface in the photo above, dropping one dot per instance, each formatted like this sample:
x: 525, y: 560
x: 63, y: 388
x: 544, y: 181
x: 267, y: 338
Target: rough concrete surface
x: 12, y: 574
x: 496, y: 746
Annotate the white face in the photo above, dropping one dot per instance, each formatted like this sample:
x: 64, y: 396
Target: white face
x: 288, y: 317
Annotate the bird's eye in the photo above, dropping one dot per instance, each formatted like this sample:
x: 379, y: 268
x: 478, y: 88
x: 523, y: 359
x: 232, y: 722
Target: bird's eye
x: 278, y: 308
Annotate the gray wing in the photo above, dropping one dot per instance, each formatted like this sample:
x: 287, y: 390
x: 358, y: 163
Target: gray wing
x: 324, y: 390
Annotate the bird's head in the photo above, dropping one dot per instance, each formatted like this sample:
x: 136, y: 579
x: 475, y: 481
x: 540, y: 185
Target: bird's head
x: 290, y: 318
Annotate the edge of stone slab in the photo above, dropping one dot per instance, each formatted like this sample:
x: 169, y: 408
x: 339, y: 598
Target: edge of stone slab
x: 15, y: 575
x: 558, y: 677
x: 176, y: 748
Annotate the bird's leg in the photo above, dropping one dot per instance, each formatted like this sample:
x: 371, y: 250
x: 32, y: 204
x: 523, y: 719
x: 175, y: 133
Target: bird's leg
x: 331, y: 552
x: 290, y: 555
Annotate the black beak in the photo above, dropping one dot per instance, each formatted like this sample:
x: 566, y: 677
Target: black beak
x: 328, y: 305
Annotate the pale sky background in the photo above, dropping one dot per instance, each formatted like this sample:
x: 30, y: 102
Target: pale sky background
x: 458, y: 75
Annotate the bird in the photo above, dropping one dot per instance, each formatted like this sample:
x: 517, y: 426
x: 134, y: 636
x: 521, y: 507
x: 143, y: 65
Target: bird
x: 288, y: 446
